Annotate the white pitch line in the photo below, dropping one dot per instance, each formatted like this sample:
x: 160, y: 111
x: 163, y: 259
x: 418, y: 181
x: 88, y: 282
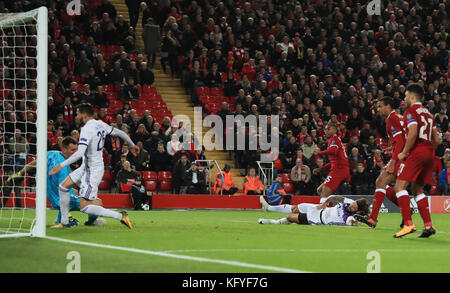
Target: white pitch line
x: 185, y: 257
x: 335, y: 250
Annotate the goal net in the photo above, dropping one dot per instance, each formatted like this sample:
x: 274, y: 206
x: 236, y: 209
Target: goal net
x: 23, y: 122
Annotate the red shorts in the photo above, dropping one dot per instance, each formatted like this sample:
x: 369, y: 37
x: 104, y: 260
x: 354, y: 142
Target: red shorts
x: 336, y: 178
x: 396, y: 167
x: 418, y: 167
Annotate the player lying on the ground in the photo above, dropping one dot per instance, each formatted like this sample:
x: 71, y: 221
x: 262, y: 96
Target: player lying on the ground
x: 89, y: 175
x: 68, y: 146
x: 339, y: 166
x: 416, y: 161
x: 343, y: 213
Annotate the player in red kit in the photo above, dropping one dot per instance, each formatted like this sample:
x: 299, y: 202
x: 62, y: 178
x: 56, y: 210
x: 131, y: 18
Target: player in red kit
x: 338, y: 165
x: 396, y: 134
x: 416, y: 161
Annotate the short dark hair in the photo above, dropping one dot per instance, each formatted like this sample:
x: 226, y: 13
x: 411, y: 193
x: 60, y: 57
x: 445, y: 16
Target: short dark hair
x: 68, y: 140
x: 363, y: 206
x: 86, y: 108
x: 416, y: 89
x: 393, y: 102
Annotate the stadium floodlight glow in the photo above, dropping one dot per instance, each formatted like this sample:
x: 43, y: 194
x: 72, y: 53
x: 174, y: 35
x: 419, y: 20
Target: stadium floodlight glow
x: 24, y: 48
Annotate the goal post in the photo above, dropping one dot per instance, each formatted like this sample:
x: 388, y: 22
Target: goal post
x: 23, y: 92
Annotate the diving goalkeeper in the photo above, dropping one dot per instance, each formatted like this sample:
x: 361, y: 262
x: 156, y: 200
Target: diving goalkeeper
x: 54, y: 158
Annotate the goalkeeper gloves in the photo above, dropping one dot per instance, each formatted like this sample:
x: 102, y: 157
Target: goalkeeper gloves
x: 14, y: 176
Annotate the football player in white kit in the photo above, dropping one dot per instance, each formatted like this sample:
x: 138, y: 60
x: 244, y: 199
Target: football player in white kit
x: 89, y: 175
x: 345, y: 212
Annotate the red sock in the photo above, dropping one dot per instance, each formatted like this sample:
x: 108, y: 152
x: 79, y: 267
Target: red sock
x: 390, y: 194
x: 376, y: 203
x: 424, y: 210
x: 403, y: 203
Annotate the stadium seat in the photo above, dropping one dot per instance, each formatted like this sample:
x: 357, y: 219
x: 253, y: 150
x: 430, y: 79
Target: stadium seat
x: 149, y: 176
x: 104, y: 185
x: 202, y: 91
x: 165, y: 185
x: 288, y: 187
x: 216, y: 91
x: 150, y: 185
x: 107, y: 176
x: 164, y: 176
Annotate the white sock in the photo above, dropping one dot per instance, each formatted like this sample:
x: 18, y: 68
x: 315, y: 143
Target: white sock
x: 64, y: 202
x: 101, y: 212
x: 323, y: 199
x: 285, y: 208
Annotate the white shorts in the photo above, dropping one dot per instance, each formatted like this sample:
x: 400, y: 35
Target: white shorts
x: 88, y: 180
x: 312, y: 213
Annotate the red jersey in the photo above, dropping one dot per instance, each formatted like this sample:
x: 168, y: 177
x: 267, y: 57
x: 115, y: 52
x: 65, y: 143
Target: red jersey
x: 395, y: 130
x: 336, y: 153
x: 418, y: 114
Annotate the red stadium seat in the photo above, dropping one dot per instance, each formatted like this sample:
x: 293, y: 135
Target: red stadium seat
x: 107, y: 176
x: 150, y: 185
x: 149, y: 176
x: 216, y: 91
x: 288, y: 187
x: 165, y: 185
x: 202, y: 91
x: 104, y: 185
x: 164, y: 176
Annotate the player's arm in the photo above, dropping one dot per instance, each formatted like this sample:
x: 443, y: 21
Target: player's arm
x: 82, y: 147
x: 435, y: 138
x: 122, y: 135
x: 331, y: 198
x: 410, y: 140
x: 352, y: 222
x: 331, y: 150
x: 24, y: 170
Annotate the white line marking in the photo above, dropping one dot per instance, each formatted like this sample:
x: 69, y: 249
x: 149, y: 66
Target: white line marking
x: 185, y: 257
x: 306, y: 250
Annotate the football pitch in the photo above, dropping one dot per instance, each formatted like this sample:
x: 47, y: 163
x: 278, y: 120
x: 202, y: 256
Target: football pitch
x: 218, y: 241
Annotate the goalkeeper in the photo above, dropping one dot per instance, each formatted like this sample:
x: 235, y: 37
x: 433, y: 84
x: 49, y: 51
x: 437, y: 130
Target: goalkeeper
x: 54, y: 158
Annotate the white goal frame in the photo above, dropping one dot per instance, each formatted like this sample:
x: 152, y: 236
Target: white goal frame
x: 38, y: 227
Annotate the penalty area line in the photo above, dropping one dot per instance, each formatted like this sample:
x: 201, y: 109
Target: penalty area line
x: 178, y: 256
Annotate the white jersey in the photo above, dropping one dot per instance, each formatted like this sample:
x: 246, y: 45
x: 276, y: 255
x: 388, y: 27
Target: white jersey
x: 93, y: 135
x: 336, y: 215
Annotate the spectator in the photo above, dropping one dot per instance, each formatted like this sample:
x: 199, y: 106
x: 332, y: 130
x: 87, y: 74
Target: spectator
x: 146, y: 76
x: 139, y: 196
x: 178, y: 174
x: 160, y: 159
x: 444, y: 179
x: 301, y: 175
x: 195, y: 180
x: 252, y: 184
x: 101, y: 99
x: 126, y: 175
x: 360, y: 180
x: 141, y: 134
x: 139, y: 158
x: 152, y: 38
x: 129, y: 92
x: 354, y: 159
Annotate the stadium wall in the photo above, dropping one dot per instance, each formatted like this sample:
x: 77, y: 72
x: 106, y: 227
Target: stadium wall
x: 438, y: 204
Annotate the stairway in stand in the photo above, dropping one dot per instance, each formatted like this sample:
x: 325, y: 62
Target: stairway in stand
x: 176, y: 98
x: 179, y: 103
x: 122, y: 9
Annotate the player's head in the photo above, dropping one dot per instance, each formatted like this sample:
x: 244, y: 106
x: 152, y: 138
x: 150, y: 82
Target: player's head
x: 360, y: 206
x: 85, y: 111
x: 330, y: 129
x: 387, y: 105
x: 69, y: 146
x: 414, y: 93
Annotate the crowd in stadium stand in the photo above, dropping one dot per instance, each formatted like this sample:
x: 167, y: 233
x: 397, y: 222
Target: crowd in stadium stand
x: 310, y: 62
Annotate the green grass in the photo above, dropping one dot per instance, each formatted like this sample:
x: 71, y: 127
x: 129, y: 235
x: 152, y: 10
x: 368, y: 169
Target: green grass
x: 230, y: 236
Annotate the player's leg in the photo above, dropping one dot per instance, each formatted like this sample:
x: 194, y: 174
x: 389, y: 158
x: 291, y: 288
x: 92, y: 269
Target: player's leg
x: 64, y: 199
x: 284, y: 208
x: 291, y: 218
x: 404, y: 205
x: 424, y: 209
x: 380, y: 193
